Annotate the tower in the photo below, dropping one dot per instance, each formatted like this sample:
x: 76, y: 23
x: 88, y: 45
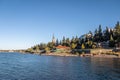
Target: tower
x: 53, y: 39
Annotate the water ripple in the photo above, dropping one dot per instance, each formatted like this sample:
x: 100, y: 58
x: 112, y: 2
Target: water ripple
x: 16, y: 66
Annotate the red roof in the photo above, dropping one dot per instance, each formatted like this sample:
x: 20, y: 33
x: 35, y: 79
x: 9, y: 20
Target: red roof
x: 62, y: 47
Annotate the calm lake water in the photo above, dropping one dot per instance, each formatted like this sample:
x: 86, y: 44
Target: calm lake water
x: 16, y: 66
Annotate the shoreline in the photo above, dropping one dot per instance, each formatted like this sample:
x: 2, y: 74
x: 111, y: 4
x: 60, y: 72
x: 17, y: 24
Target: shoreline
x: 59, y: 54
x: 76, y: 55
x: 84, y: 55
x: 106, y: 56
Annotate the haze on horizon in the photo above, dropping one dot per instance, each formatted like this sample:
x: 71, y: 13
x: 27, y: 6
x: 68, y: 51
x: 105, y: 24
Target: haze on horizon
x: 24, y: 23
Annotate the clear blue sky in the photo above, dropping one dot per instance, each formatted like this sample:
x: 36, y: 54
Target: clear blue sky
x: 24, y: 23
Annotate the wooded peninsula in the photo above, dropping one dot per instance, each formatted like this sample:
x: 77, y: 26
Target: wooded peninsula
x: 100, y: 41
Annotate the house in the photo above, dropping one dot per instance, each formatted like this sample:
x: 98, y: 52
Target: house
x: 61, y: 48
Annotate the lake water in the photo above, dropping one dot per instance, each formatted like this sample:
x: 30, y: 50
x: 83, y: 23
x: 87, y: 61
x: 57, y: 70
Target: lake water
x: 16, y: 66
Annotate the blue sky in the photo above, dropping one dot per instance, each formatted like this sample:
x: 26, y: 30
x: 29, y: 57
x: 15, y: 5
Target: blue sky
x: 24, y: 23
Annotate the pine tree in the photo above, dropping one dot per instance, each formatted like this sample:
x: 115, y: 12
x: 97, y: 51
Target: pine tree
x: 100, y: 39
x: 63, y: 41
x: 73, y: 40
x: 100, y: 29
x: 50, y: 45
x: 111, y: 42
x: 76, y: 40
x: 57, y: 42
x: 117, y: 32
x: 107, y: 34
x: 68, y: 42
x: 96, y: 37
x: 60, y: 42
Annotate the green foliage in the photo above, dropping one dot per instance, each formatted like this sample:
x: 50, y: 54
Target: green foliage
x: 57, y: 42
x: 90, y: 44
x: 37, y: 48
x: 100, y: 29
x: 111, y: 38
x: 50, y: 45
x: 89, y: 40
x: 42, y: 46
x: 30, y: 50
x: 73, y: 45
x: 106, y: 36
x: 117, y: 32
x: 47, y: 49
x: 63, y: 41
x: 98, y: 34
x: 83, y: 46
x: 111, y: 42
x: 73, y: 40
x: 68, y: 42
x: 93, y: 46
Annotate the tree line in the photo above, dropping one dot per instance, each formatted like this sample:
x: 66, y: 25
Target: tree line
x: 91, y: 40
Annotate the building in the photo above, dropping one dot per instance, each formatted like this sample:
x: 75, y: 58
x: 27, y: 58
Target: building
x: 53, y: 39
x: 61, y: 48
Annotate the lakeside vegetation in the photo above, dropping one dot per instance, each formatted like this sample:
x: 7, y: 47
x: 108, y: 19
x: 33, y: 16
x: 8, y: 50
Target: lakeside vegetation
x: 106, y: 39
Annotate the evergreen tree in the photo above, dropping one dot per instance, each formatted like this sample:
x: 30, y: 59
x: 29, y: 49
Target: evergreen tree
x: 100, y: 39
x: 78, y: 46
x: 50, y: 45
x: 96, y: 37
x: 86, y: 41
x: 117, y: 32
x: 57, y: 42
x: 76, y: 40
x: 42, y: 46
x: 107, y: 34
x: 68, y: 42
x: 100, y: 29
x: 90, y: 32
x: 63, y: 41
x: 73, y: 40
x: 96, y: 31
x: 91, y: 36
x: 60, y: 42
x: 111, y: 42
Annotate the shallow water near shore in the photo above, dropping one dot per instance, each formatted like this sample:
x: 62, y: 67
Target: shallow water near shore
x: 17, y: 66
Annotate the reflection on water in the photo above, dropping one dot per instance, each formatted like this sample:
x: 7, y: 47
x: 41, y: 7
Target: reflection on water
x: 16, y: 66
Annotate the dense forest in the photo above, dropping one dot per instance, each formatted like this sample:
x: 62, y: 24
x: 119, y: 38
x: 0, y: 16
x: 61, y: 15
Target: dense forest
x: 91, y: 40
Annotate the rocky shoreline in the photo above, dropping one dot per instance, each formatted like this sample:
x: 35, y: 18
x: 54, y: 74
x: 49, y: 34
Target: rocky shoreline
x: 82, y: 55
x: 59, y: 54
